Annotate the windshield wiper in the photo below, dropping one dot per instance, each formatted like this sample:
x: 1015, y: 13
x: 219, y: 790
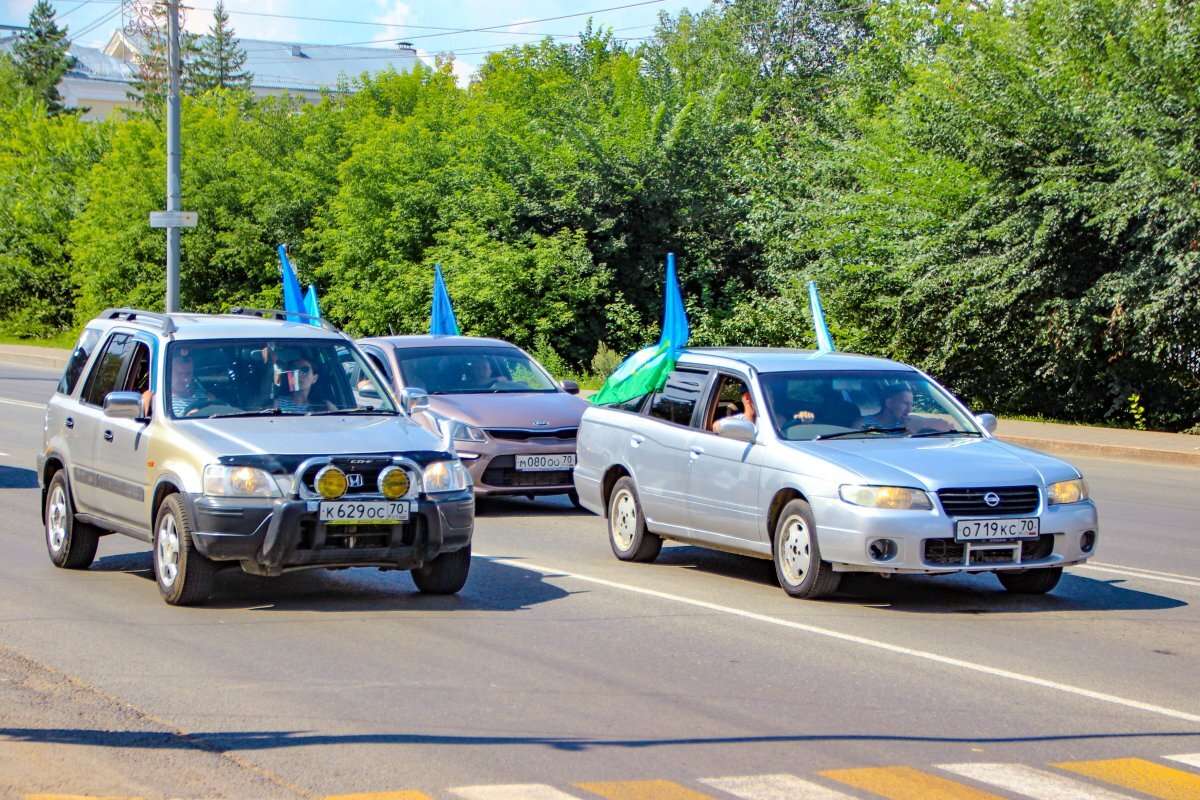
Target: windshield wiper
x: 359, y: 410
x: 872, y: 429
x: 945, y: 433
x: 262, y: 412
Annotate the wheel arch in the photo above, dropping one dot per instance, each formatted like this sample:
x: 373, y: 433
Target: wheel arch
x: 611, y: 476
x: 53, y: 465
x: 776, y: 506
x: 167, y: 485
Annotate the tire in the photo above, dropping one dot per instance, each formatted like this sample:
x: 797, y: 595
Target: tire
x: 70, y: 543
x: 1034, y: 581
x: 627, y: 532
x: 445, y: 574
x: 798, y: 564
x: 184, y: 576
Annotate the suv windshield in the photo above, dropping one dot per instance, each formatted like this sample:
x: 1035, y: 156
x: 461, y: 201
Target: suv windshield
x: 804, y: 406
x: 247, y: 377
x: 472, y: 370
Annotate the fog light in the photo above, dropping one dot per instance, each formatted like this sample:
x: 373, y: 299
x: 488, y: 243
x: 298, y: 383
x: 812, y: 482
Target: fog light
x: 331, y: 483
x: 393, y: 483
x: 1087, y: 541
x: 883, y: 549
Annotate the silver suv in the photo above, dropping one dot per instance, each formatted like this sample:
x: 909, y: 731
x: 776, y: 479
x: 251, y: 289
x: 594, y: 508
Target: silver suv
x: 253, y: 438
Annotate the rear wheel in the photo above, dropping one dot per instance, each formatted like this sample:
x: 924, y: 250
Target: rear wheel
x: 71, y: 544
x: 798, y: 564
x: 445, y: 574
x: 627, y: 532
x: 1034, y: 581
x: 184, y: 576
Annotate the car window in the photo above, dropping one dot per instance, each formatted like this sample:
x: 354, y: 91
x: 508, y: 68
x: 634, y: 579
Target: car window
x: 729, y: 398
x: 107, y: 370
x: 676, y: 400
x: 137, y: 374
x: 378, y: 362
x: 78, y: 360
x: 472, y: 370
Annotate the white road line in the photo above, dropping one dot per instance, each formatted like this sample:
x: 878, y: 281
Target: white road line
x: 1142, y: 570
x: 1031, y: 782
x: 1140, y: 574
x: 970, y: 666
x: 24, y: 403
x: 522, y: 791
x: 1192, y: 759
x: 773, y: 787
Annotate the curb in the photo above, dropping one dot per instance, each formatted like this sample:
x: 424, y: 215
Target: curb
x: 29, y: 356
x: 1122, y: 452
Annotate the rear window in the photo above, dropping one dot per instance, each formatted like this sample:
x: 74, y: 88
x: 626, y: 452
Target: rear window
x: 676, y: 400
x: 78, y: 360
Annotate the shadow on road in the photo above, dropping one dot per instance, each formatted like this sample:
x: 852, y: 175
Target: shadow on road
x: 928, y: 594
x: 17, y: 478
x: 516, y: 506
x: 491, y: 587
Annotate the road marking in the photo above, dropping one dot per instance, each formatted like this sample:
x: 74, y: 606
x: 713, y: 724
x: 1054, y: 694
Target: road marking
x: 1140, y: 776
x: 406, y: 795
x: 1192, y: 759
x: 520, y: 791
x: 1031, y: 782
x: 906, y: 783
x: 643, y: 790
x: 865, y: 642
x: 26, y: 404
x: 1136, y: 572
x: 773, y: 787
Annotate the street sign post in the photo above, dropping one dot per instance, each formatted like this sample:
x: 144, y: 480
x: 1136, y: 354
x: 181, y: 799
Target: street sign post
x: 173, y: 219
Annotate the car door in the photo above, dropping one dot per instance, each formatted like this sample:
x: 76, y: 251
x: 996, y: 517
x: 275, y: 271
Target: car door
x: 724, y: 475
x: 123, y: 444
x: 89, y: 416
x: 658, y: 454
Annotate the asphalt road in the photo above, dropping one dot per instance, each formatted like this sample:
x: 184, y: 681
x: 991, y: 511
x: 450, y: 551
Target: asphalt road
x: 559, y: 672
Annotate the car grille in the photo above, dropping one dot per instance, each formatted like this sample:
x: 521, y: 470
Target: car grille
x: 502, y: 471
x: 523, y: 435
x: 947, y: 552
x: 970, y: 502
x: 367, y: 467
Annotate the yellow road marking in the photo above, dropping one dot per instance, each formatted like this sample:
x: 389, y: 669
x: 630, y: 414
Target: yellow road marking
x: 406, y: 795
x: 643, y: 790
x: 1141, y: 776
x: 906, y: 783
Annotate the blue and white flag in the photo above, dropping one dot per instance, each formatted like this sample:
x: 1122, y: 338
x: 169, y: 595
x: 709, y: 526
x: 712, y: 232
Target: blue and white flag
x: 441, y: 318
x: 824, y: 340
x: 293, y: 298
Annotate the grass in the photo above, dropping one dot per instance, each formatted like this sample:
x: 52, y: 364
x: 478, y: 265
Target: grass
x: 64, y: 341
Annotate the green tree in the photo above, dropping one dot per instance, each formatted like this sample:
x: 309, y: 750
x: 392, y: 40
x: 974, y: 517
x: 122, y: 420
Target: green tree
x: 41, y: 56
x: 220, y: 60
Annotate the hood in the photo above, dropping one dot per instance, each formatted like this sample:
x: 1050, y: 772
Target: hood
x: 512, y: 409
x: 331, y: 435
x: 941, y: 463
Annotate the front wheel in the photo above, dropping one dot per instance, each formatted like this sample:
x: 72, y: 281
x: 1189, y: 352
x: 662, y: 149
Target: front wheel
x: 1034, y: 581
x: 627, y: 532
x: 71, y: 544
x: 798, y: 564
x: 445, y: 574
x: 184, y: 576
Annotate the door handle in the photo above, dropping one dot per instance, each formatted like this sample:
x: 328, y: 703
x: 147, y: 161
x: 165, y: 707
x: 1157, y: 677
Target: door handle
x: 70, y: 422
x: 697, y: 451
x: 636, y: 439
x: 108, y: 437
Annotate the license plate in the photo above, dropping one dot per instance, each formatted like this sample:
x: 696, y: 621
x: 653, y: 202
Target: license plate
x: 348, y: 512
x: 969, y: 530
x: 551, y: 463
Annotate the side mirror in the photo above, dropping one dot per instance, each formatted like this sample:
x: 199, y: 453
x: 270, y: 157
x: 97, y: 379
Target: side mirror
x: 413, y: 400
x: 570, y: 387
x: 742, y: 430
x: 123, y: 405
x: 987, y: 421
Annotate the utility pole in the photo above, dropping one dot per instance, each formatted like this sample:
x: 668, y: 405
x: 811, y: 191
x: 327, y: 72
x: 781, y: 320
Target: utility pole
x: 174, y: 198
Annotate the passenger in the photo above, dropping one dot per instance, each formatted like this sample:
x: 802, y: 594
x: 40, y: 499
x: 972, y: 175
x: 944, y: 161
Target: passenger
x: 299, y: 378
x: 896, y: 412
x: 747, y: 413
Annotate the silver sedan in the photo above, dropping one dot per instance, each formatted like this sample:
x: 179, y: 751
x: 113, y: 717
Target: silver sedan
x: 828, y: 463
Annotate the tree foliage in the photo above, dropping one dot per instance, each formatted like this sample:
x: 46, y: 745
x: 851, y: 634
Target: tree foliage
x: 41, y: 57
x: 220, y: 60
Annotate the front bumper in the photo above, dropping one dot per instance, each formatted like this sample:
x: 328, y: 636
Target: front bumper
x: 925, y: 540
x: 493, y: 469
x: 270, y: 537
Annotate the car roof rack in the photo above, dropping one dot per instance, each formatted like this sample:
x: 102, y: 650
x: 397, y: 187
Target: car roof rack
x: 284, y: 316
x: 137, y: 315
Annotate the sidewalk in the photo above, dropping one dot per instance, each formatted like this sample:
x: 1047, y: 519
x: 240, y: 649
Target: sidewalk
x: 1174, y: 449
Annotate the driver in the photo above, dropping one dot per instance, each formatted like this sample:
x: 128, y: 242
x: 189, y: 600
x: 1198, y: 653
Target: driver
x: 186, y: 392
x: 896, y: 412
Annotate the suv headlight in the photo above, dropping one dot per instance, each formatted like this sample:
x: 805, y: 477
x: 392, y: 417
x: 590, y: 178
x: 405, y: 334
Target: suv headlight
x: 886, y: 497
x: 459, y: 431
x: 224, y: 481
x: 445, y: 476
x: 1063, y: 492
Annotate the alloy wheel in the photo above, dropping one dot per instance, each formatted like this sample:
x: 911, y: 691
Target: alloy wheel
x: 168, y: 551
x: 795, y: 550
x: 56, y: 520
x: 624, y: 520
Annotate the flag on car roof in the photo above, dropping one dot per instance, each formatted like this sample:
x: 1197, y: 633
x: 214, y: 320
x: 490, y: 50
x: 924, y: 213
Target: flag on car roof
x: 293, y: 298
x: 311, y: 306
x: 441, y: 318
x: 648, y: 368
x: 824, y: 340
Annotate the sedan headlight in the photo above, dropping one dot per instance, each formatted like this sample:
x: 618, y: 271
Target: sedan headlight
x: 459, y: 431
x: 445, y: 476
x: 886, y: 497
x: 223, y: 481
x: 1064, y: 492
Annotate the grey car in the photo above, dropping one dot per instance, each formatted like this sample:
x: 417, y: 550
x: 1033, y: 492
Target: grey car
x: 249, y: 439
x: 512, y: 424
x: 828, y: 463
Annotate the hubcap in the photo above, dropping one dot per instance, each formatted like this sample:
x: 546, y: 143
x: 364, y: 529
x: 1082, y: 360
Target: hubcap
x: 795, y: 550
x: 56, y: 520
x: 168, y: 551
x: 623, y: 522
